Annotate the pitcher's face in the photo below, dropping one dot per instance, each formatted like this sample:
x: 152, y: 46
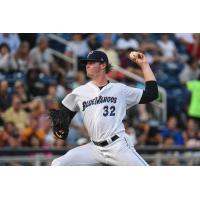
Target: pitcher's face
x: 93, y: 69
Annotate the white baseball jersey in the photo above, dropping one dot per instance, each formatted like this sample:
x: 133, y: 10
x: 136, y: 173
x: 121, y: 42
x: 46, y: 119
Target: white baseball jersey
x: 103, y: 110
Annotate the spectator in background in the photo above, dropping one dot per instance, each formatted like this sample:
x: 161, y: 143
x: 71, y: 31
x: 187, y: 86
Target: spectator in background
x: 126, y: 41
x: 142, y: 132
x: 194, y: 108
x: 108, y: 49
x: 49, y: 136
x: 12, y: 136
x: 62, y: 88
x: 38, y: 112
x: 80, y: 79
x: 21, y: 58
x: 149, y: 134
x: 16, y: 114
x: 194, y: 48
x: 2, y: 136
x: 11, y: 39
x: 192, y: 134
x: 191, y: 71
x: 171, y: 135
x: 168, y: 48
x: 153, y: 136
x: 51, y: 95
x: 23, y: 94
x: 5, y: 96
x: 41, y: 56
x: 185, y: 38
x: 35, y: 86
x: 130, y: 131
x: 6, y: 59
x: 77, y: 46
x: 92, y: 42
x: 183, y: 41
x: 29, y: 37
x: 146, y: 41
x: 38, y: 127
x: 101, y: 37
x: 31, y: 135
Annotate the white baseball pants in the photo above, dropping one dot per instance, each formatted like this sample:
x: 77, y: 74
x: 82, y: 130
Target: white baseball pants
x: 118, y: 153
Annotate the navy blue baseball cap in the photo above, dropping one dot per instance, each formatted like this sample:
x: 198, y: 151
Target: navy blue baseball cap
x: 96, y: 56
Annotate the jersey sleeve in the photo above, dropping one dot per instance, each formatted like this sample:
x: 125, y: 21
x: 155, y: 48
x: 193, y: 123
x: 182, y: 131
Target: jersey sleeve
x: 70, y: 101
x: 132, y: 95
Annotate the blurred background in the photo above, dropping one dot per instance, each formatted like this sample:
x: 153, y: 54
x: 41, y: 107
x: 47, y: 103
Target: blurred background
x: 38, y: 70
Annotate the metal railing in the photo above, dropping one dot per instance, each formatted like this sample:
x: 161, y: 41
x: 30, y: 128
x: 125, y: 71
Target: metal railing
x: 62, y: 56
x: 72, y: 60
x: 36, y: 160
x: 154, y: 155
x: 153, y: 160
x: 55, y: 150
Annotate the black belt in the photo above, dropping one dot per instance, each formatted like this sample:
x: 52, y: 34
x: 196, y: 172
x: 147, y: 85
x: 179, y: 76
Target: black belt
x: 105, y: 142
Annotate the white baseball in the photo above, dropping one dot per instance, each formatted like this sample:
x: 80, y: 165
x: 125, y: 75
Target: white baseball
x: 133, y: 55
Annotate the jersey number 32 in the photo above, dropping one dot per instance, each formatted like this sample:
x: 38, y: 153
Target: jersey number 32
x: 109, y: 111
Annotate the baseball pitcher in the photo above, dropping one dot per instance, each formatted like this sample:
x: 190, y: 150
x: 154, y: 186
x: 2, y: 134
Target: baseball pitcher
x: 103, y: 106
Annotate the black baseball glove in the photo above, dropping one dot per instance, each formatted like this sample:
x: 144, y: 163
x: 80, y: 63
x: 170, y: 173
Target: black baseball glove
x: 61, y: 120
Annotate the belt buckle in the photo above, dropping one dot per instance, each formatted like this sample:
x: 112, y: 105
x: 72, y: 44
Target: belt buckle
x: 109, y: 140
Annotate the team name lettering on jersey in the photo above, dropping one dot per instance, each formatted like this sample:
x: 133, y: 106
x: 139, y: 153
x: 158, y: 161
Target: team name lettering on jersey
x: 99, y: 100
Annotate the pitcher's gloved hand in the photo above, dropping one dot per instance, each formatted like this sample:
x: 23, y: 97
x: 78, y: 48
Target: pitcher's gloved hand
x: 61, y: 120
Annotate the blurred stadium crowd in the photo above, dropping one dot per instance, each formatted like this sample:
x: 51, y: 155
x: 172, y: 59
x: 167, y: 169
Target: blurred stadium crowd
x: 33, y: 80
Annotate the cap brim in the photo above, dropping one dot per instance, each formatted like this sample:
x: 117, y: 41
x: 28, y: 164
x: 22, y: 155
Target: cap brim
x: 84, y: 61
